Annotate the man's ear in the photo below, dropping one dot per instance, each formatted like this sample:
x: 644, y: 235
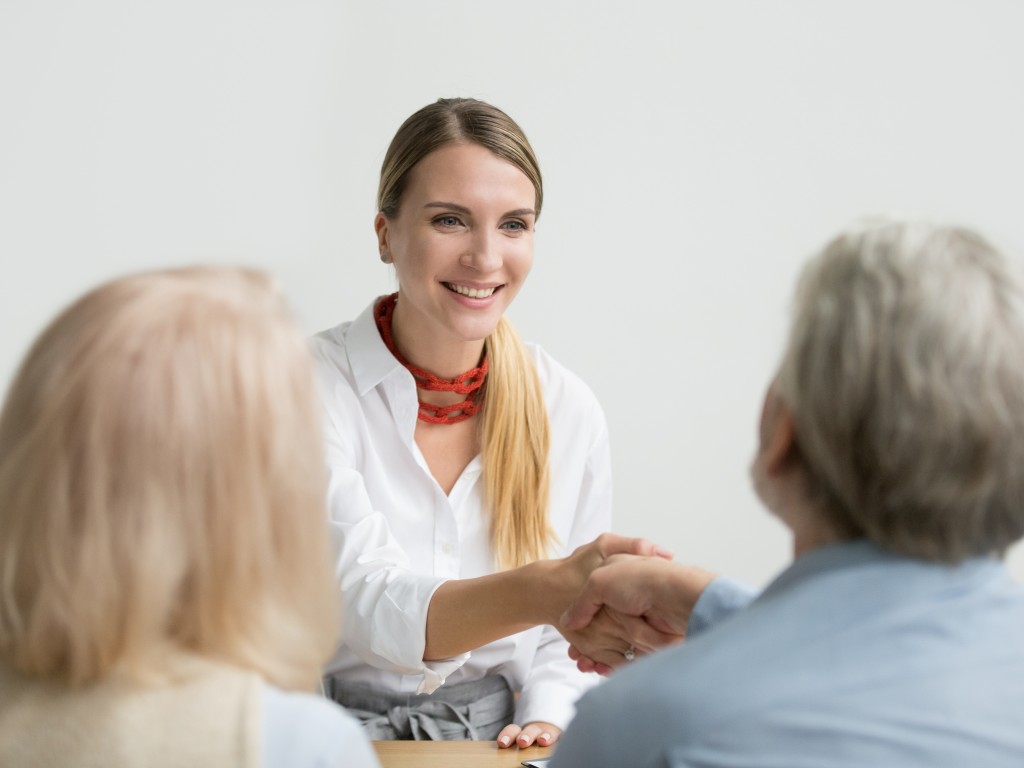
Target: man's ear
x: 780, y: 447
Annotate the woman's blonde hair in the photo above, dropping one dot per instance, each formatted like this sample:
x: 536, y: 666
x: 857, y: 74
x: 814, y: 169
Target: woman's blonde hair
x: 515, y: 432
x: 162, y: 486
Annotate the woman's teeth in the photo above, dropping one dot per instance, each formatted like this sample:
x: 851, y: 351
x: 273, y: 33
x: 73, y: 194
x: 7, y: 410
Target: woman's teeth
x: 473, y: 293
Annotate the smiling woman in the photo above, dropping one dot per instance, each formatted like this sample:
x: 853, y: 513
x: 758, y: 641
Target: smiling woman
x: 462, y: 246
x: 459, y: 457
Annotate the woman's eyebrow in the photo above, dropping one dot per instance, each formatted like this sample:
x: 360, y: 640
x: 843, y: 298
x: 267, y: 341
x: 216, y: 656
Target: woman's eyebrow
x: 449, y: 206
x: 463, y: 209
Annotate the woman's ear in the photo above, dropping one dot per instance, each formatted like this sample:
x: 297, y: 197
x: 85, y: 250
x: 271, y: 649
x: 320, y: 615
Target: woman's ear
x: 380, y: 226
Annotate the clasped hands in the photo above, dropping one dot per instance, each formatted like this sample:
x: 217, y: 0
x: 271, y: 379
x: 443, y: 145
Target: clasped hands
x: 632, y: 599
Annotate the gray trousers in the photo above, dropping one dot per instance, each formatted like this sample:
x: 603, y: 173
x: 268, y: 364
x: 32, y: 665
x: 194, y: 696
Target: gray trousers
x: 476, y: 710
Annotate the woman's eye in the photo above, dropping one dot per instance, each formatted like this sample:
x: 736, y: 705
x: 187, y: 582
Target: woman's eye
x: 447, y: 221
x: 515, y: 226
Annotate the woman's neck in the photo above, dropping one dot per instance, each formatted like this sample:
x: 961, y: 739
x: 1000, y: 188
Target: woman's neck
x: 443, y: 357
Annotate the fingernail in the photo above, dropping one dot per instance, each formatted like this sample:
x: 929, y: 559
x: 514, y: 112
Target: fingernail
x: 504, y: 740
x: 545, y: 737
x: 665, y: 552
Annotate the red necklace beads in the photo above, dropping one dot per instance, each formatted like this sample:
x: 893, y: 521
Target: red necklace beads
x: 469, y: 383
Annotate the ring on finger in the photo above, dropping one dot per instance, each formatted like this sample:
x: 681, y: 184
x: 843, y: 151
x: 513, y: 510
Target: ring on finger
x: 630, y: 653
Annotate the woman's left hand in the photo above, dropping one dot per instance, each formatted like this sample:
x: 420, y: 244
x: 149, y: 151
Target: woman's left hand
x: 541, y: 734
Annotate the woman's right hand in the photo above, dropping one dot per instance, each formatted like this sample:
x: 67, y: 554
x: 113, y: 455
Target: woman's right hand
x: 611, y: 639
x: 465, y: 614
x: 573, y: 572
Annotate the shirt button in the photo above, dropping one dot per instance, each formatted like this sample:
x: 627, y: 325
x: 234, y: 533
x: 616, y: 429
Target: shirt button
x: 448, y: 548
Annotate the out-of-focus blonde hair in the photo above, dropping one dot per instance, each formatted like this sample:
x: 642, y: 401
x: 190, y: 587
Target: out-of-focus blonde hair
x: 905, y: 375
x: 162, y: 487
x: 515, y: 432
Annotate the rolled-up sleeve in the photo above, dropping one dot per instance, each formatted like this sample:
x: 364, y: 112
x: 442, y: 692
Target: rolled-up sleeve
x: 384, y: 603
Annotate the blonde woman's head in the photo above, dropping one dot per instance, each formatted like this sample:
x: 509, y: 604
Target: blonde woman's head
x: 161, y: 485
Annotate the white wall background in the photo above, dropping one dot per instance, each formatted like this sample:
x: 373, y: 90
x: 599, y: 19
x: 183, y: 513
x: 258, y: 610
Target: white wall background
x: 694, y: 154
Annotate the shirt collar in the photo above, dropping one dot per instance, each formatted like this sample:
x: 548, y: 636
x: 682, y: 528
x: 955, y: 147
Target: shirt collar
x: 371, y: 361
x: 855, y: 553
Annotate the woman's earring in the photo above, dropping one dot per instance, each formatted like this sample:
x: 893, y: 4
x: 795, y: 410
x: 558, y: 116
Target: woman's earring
x: 385, y: 257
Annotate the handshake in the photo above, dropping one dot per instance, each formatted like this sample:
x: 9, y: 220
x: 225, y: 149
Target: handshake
x: 623, y: 597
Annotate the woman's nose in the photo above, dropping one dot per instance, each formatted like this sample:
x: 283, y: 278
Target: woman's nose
x: 484, y: 253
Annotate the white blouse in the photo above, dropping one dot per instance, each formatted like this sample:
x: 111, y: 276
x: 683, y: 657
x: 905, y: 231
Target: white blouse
x: 398, y: 537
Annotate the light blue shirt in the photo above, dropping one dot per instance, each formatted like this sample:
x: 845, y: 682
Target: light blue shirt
x: 851, y: 657
x: 301, y: 730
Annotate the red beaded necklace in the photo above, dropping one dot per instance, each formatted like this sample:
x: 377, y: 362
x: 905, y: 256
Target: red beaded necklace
x: 469, y: 383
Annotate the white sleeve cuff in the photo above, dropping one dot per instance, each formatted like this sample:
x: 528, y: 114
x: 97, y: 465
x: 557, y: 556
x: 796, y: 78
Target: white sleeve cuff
x: 399, y: 630
x: 436, y: 672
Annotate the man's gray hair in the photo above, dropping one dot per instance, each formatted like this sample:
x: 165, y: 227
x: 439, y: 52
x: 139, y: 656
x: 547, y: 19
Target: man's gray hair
x: 905, y: 375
